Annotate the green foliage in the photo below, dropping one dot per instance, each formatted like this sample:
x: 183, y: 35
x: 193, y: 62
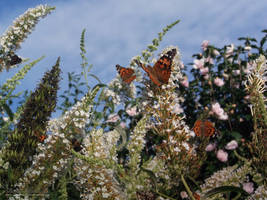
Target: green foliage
x: 22, y: 143
x: 232, y: 65
x: 136, y: 143
x: 7, y: 96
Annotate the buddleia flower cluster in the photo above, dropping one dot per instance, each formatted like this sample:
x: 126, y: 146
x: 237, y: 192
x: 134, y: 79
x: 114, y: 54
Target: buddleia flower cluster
x: 95, y: 166
x: 11, y: 40
x: 229, y: 176
x: 175, y: 158
x: 117, y: 92
x: 56, y: 152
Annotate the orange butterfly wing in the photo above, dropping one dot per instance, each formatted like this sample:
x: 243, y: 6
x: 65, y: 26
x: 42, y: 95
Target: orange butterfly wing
x: 161, y: 71
x: 126, y: 74
x: 203, y: 128
x: 162, y: 67
x: 42, y: 138
x: 209, y: 129
x: 197, y: 127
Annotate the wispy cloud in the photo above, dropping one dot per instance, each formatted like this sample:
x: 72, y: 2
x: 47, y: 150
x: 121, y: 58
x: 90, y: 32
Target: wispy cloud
x: 118, y: 30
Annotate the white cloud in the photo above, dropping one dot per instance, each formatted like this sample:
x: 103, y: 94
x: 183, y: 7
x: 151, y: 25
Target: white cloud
x: 120, y: 29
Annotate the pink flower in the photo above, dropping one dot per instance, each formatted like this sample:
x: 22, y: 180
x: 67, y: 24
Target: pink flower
x: 183, y: 194
x: 185, y: 82
x: 229, y: 50
x: 236, y: 72
x: 198, y: 64
x: 248, y: 187
x: 181, y: 65
x: 222, y: 155
x: 206, y: 77
x: 205, y: 44
x: 113, y: 118
x: 226, y: 76
x: 216, y: 52
x: 204, y: 71
x: 247, y: 97
x: 219, y: 82
x: 210, y: 147
x: 177, y: 109
x: 224, y: 117
x: 131, y: 111
x: 123, y: 124
x: 209, y: 60
x: 219, y: 112
x: 231, y: 145
x: 247, y: 48
x: 236, y: 85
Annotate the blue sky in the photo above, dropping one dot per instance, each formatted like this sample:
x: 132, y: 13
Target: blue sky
x: 117, y: 30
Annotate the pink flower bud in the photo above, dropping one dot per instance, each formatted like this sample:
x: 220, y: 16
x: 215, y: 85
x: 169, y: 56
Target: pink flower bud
x: 205, y: 44
x: 123, y: 124
x: 185, y: 82
x: 131, y: 111
x: 231, y: 145
x: 210, y: 147
x: 183, y: 194
x: 248, y: 187
x: 113, y: 118
x: 204, y: 70
x: 219, y: 82
x: 222, y: 155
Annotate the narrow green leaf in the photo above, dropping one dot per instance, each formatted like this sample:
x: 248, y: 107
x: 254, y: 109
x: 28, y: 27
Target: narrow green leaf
x: 225, y: 189
x: 8, y: 111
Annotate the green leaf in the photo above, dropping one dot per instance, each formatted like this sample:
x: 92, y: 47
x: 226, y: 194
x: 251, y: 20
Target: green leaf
x: 94, y: 76
x: 8, y: 111
x: 100, y: 85
x: 236, y: 135
x: 225, y: 189
x: 263, y: 41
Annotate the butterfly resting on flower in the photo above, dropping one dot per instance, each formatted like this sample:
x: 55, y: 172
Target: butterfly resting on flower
x: 126, y: 74
x: 203, y: 128
x: 161, y: 71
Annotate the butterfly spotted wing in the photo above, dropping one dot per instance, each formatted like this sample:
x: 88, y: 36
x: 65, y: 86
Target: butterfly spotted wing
x: 76, y: 145
x: 203, y: 128
x: 161, y: 71
x: 14, y: 59
x: 126, y: 74
x: 42, y: 138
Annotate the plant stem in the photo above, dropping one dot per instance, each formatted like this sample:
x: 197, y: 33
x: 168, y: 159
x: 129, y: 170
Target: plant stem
x: 187, y: 188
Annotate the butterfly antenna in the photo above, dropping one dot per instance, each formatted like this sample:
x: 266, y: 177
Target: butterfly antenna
x: 140, y: 64
x: 118, y: 66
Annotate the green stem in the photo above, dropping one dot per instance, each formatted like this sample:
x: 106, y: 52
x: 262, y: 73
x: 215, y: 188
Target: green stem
x: 240, y: 157
x: 194, y: 181
x: 237, y: 196
x: 165, y: 196
x: 187, y: 188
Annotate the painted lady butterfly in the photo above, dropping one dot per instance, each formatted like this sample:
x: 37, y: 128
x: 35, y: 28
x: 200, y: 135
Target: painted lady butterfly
x: 42, y: 138
x: 203, y: 128
x: 76, y: 145
x: 14, y: 60
x: 126, y: 74
x: 161, y: 71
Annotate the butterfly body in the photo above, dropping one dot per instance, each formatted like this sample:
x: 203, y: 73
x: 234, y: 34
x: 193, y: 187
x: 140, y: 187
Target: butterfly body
x: 126, y: 74
x: 203, y: 128
x: 161, y: 71
x: 14, y: 59
x: 42, y: 138
x: 76, y: 145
